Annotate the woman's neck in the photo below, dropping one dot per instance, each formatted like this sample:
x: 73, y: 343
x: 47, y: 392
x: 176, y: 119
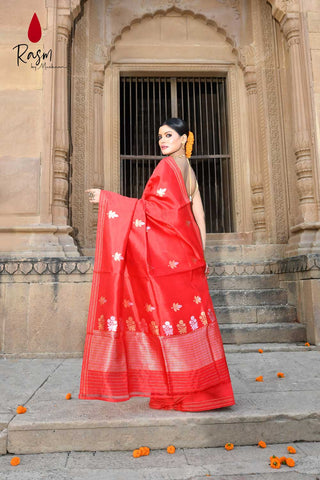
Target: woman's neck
x: 179, y: 156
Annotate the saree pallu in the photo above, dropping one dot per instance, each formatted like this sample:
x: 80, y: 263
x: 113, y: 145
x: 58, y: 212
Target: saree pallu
x: 152, y: 329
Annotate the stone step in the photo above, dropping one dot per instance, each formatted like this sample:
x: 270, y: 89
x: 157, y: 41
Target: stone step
x: 276, y: 410
x: 259, y: 296
x: 256, y: 314
x: 243, y: 282
x: 255, y: 333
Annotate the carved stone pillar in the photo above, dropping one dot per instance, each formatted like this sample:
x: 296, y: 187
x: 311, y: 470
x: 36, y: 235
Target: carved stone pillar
x: 61, y: 134
x: 98, y: 170
x: 61, y: 144
x: 303, y: 234
x: 259, y: 218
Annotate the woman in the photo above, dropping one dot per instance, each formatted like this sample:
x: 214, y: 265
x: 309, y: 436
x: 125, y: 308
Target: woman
x: 152, y: 329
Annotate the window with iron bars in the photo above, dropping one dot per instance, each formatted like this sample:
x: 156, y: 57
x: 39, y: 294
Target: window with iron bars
x: 145, y: 104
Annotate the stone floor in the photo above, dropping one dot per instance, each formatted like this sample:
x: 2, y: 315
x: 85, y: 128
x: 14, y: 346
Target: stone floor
x: 241, y: 463
x: 94, y: 439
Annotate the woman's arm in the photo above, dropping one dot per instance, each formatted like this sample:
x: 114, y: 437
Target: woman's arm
x: 198, y: 213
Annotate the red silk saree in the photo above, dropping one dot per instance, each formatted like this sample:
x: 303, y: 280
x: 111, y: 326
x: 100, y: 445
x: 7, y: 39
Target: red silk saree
x: 152, y: 330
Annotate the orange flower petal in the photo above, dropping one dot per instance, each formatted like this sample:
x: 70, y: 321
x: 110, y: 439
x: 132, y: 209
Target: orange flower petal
x: 144, y: 451
x: 262, y: 444
x: 280, y: 374
x: 21, y: 409
x: 171, y: 449
x: 274, y: 457
x: 229, y: 446
x: 290, y: 462
x: 282, y: 460
x: 136, y: 453
x: 275, y: 463
x: 259, y: 379
x: 291, y: 449
x: 260, y: 350
x: 15, y: 461
x: 68, y: 396
x: 307, y: 344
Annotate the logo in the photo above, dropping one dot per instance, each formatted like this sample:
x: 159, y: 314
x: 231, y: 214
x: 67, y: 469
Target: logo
x: 34, y: 30
x: 25, y: 54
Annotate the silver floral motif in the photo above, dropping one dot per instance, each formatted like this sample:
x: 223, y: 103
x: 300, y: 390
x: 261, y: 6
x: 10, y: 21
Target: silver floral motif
x: 112, y: 324
x: 117, y: 257
x: 167, y: 327
x: 161, y: 192
x: 173, y: 264
x: 138, y: 223
x: 193, y: 323
x: 112, y: 214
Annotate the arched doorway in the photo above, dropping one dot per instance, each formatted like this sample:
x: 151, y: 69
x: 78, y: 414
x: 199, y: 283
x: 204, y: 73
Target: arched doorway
x: 145, y: 103
x: 190, y: 73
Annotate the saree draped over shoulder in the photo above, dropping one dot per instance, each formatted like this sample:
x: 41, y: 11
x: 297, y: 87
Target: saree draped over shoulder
x: 152, y: 329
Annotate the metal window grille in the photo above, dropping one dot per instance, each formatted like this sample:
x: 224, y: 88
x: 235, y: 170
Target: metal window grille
x: 145, y: 103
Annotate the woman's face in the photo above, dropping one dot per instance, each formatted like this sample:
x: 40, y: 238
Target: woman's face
x: 170, y: 141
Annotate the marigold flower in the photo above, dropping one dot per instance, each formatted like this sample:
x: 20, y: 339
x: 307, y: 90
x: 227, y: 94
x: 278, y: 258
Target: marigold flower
x: 136, y: 453
x: 259, y: 379
x: 290, y: 462
x: 189, y: 144
x: 144, y: 451
x: 15, y: 461
x: 274, y: 457
x: 262, y: 444
x: 171, y: 449
x: 307, y: 344
x: 291, y: 449
x: 280, y: 374
x: 229, y: 446
x: 282, y: 460
x: 68, y: 396
x: 275, y: 463
x: 21, y: 409
x: 260, y: 350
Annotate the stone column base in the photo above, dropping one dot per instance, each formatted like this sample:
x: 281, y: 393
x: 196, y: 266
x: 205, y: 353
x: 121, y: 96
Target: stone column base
x: 300, y: 275
x: 304, y: 239
x: 37, y: 241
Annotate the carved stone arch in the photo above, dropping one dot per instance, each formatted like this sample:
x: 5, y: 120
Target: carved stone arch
x: 121, y: 59
x: 229, y: 38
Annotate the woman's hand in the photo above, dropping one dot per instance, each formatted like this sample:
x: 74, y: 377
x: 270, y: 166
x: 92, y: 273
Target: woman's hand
x: 94, y: 195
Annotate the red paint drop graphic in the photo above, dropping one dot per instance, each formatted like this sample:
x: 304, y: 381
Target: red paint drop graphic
x: 34, y: 32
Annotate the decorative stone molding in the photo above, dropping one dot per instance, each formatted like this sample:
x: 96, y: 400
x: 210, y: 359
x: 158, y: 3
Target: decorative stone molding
x: 257, y: 194
x: 247, y: 56
x: 98, y: 82
x: 281, y: 7
x: 34, y: 266
x: 123, y: 23
x: 97, y: 173
x: 302, y: 142
x: 299, y: 263
x: 44, y: 266
x: 239, y: 269
x: 61, y: 140
x: 273, y: 153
